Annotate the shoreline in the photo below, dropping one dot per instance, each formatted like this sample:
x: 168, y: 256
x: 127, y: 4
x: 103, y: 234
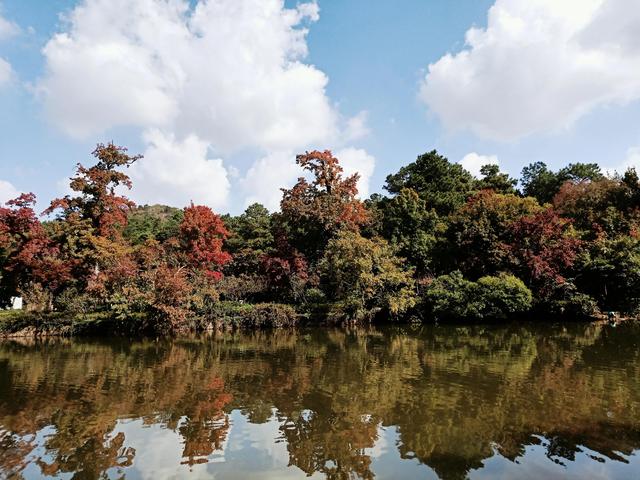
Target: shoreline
x: 23, y: 324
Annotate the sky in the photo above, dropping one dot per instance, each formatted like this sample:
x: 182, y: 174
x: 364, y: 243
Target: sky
x: 220, y: 95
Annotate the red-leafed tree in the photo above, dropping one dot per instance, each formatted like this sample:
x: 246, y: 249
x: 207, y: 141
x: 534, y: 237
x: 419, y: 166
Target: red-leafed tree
x: 286, y: 270
x: 97, y: 200
x: 88, y: 228
x: 202, y: 236
x: 314, y: 212
x: 543, y: 248
x: 27, y: 256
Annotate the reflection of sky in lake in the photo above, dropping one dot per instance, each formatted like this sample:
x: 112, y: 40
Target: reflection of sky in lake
x: 531, y: 402
x: 258, y: 451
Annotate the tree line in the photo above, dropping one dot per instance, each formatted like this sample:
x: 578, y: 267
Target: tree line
x: 440, y: 244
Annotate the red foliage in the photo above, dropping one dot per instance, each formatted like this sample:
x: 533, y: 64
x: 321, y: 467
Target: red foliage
x: 327, y: 204
x: 202, y: 234
x: 97, y: 186
x: 285, y: 266
x: 543, y: 245
x: 29, y: 255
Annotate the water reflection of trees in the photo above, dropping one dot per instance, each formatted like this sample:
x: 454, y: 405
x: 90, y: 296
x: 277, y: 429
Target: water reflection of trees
x: 455, y: 395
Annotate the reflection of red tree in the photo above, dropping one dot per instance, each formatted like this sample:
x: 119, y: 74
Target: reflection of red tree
x: 206, y: 425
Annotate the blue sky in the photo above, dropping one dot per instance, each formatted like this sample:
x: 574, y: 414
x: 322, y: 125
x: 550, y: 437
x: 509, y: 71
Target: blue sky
x: 220, y: 95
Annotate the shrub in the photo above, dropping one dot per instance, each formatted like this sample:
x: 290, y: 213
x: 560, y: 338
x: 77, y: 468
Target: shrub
x: 452, y: 296
x: 492, y: 297
x: 261, y: 315
x: 503, y: 295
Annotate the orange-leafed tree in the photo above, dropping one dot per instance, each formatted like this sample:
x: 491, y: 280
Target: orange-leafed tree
x: 97, y: 199
x: 315, y: 211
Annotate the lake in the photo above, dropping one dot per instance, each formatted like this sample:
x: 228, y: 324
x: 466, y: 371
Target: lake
x: 518, y: 401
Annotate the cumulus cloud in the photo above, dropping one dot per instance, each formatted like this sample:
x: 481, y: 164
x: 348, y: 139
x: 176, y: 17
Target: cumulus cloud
x: 473, y: 162
x: 7, y: 191
x: 539, y: 65
x: 178, y: 172
x: 229, y: 71
x: 267, y: 175
x: 228, y: 74
x: 7, y: 29
x: 357, y: 160
x: 357, y: 127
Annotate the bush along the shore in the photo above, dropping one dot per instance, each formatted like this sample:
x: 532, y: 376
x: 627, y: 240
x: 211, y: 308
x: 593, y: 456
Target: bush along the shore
x: 442, y: 244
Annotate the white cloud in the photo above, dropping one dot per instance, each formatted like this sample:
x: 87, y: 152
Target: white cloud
x: 357, y: 127
x: 538, y: 66
x: 229, y: 74
x: 357, y: 160
x: 7, y: 192
x: 6, y: 72
x: 229, y: 71
x: 178, y: 172
x: 267, y: 175
x: 473, y: 162
x: 7, y: 28
x: 632, y: 160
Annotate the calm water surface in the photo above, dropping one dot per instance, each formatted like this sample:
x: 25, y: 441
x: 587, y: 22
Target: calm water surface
x: 533, y: 401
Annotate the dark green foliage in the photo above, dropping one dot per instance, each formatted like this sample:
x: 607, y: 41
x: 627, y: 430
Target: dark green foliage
x: 493, y: 179
x: 251, y: 238
x: 609, y: 270
x: 408, y: 223
x: 540, y: 182
x: 442, y: 184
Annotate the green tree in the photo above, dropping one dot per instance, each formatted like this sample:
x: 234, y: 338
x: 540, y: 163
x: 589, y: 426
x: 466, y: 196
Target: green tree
x: 411, y: 226
x: 366, y: 277
x: 152, y: 222
x: 609, y: 270
x: 494, y: 179
x: 540, y: 182
x: 442, y: 184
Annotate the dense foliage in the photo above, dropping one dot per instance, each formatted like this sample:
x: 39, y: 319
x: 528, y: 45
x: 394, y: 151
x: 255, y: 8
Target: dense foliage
x: 442, y: 244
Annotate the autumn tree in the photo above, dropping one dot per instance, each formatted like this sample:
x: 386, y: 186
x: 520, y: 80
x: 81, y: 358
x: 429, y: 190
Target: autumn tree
x: 476, y: 238
x: 201, y: 238
x: 29, y: 261
x: 315, y: 211
x: 88, y: 225
x: 543, y: 247
x: 97, y: 199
